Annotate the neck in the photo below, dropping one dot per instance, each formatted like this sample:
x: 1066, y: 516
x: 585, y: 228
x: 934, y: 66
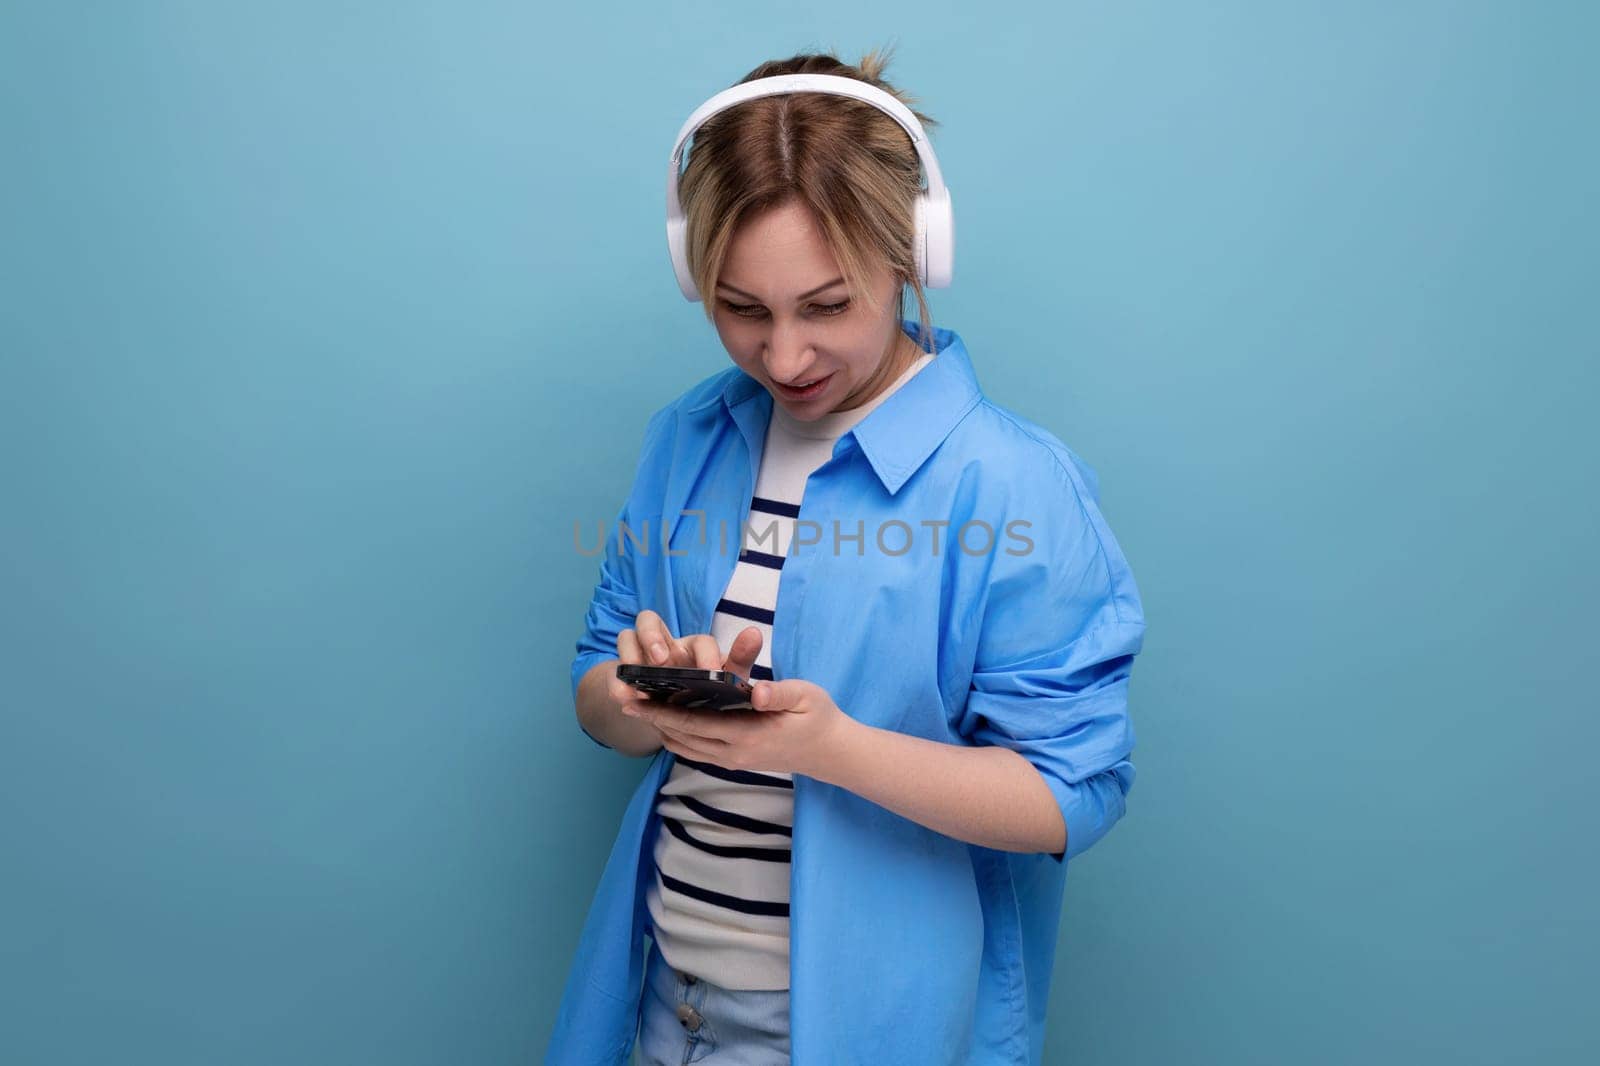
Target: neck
x: 902, y: 352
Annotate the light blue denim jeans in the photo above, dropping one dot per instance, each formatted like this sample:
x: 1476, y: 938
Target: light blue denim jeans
x: 683, y: 1019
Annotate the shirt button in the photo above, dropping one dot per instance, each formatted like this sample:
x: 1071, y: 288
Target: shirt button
x: 689, y: 1017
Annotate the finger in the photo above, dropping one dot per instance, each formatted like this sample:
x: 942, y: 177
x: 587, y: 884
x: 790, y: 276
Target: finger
x: 679, y: 652
x: 711, y: 746
x: 637, y: 706
x: 687, y: 748
x: 743, y: 652
x: 627, y: 652
x: 689, y: 736
x: 704, y: 727
x: 619, y: 690
x: 704, y: 652
x: 654, y: 637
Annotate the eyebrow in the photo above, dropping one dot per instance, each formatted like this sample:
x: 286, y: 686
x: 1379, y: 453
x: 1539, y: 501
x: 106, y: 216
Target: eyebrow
x: 802, y: 296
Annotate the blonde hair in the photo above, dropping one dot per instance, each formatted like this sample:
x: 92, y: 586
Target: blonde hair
x: 851, y: 165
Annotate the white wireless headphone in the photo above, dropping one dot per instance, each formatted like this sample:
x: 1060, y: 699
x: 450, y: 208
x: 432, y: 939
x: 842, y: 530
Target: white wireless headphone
x: 935, y: 239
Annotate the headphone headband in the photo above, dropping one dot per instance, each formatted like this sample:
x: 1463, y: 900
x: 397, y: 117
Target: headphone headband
x: 934, y: 239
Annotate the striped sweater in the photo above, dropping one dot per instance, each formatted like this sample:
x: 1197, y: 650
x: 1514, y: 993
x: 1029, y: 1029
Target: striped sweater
x: 719, y: 904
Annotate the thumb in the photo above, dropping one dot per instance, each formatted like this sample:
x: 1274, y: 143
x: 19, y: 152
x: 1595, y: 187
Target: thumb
x: 743, y: 651
x: 785, y: 695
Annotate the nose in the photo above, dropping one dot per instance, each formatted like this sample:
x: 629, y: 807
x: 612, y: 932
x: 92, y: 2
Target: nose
x: 788, y: 358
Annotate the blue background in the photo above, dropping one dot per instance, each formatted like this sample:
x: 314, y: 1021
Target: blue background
x: 322, y: 324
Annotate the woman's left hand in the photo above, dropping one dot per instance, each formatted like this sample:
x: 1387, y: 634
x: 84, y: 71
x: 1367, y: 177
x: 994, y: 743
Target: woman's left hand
x: 793, y: 729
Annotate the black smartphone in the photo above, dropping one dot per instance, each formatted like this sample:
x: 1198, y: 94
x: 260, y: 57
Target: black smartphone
x: 688, y: 686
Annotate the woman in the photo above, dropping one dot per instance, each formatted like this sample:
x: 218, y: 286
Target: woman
x: 868, y: 865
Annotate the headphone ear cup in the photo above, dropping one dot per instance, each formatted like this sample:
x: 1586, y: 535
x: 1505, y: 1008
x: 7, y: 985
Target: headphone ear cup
x: 938, y: 239
x: 919, y: 238
x: 677, y: 248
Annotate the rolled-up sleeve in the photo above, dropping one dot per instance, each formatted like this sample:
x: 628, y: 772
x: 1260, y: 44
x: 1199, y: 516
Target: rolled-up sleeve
x: 1060, y: 628
x: 614, y: 605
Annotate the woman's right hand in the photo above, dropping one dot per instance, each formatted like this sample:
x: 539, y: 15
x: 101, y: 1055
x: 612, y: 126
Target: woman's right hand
x: 650, y: 634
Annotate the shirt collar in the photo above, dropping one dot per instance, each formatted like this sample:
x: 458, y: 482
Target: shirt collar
x: 900, y: 433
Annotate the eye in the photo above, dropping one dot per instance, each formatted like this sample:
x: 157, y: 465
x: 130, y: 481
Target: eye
x: 757, y: 311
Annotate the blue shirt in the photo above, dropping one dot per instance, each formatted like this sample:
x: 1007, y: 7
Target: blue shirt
x: 906, y: 945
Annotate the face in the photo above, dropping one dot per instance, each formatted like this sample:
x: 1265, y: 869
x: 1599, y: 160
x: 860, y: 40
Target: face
x: 787, y: 318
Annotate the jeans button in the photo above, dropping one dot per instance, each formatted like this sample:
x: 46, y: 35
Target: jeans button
x: 689, y: 1017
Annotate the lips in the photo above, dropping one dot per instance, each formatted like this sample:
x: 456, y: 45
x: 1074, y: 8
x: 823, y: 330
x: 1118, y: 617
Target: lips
x: 809, y: 391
